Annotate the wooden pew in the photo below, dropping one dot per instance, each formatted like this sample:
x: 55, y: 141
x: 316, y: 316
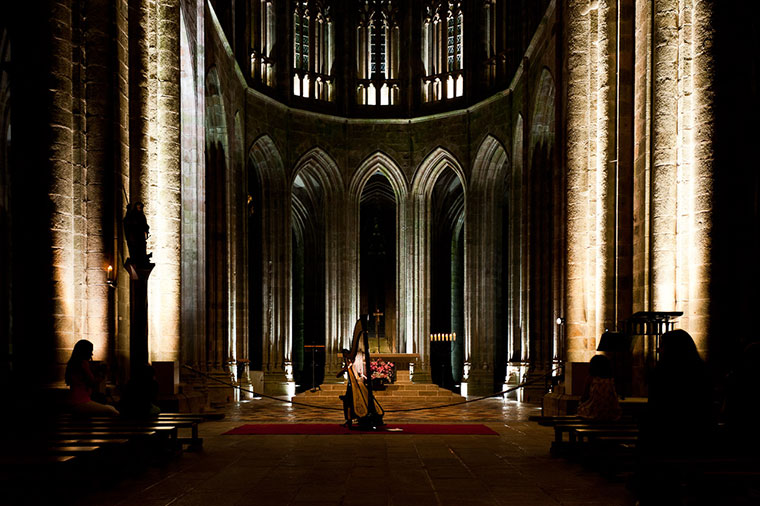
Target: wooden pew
x: 179, y: 420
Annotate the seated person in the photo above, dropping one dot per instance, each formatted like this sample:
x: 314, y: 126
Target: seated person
x: 82, y: 381
x: 599, y: 401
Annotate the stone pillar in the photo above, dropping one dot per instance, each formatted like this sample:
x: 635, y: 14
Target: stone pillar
x: 193, y: 218
x: 164, y: 196
x: 61, y: 190
x: 703, y: 102
x: 591, y: 174
x: 664, y: 154
x: 577, y: 303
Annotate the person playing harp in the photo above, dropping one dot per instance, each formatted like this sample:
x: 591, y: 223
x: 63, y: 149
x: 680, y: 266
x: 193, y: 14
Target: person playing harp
x: 359, y: 404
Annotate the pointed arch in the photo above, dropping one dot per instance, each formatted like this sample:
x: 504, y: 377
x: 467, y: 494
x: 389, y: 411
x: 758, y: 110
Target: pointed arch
x: 420, y: 268
x: 431, y: 167
x: 271, y: 213
x: 378, y: 162
x: 322, y: 178
x: 320, y: 165
x: 387, y: 166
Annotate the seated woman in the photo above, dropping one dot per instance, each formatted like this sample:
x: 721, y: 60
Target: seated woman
x: 599, y: 401
x: 81, y: 382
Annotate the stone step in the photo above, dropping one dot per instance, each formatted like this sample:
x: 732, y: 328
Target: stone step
x: 396, y: 392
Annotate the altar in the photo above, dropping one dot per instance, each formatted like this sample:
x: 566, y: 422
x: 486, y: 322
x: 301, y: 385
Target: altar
x: 401, y: 361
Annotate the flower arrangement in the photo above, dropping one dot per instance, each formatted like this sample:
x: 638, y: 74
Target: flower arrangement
x: 382, y: 370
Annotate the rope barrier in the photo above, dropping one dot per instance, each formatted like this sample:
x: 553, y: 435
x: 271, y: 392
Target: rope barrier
x: 328, y: 408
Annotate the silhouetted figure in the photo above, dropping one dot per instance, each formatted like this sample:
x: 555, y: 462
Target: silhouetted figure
x: 678, y: 423
x: 599, y: 401
x: 140, y: 395
x: 136, y: 231
x: 680, y: 405
x: 82, y: 382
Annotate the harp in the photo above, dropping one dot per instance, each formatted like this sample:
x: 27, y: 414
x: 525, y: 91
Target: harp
x: 359, y: 403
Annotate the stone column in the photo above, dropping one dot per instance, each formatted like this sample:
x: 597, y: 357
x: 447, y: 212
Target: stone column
x: 420, y: 245
x: 577, y: 303
x: 61, y: 191
x: 165, y: 197
x: 591, y: 171
x: 664, y: 154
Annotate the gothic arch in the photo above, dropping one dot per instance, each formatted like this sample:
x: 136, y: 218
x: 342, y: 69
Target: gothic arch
x: 431, y: 167
x: 485, y: 224
x: 270, y: 307
x: 322, y: 180
x: 380, y: 162
x: 420, y: 269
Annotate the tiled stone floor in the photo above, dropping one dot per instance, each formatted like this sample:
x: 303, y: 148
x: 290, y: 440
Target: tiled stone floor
x: 513, y: 468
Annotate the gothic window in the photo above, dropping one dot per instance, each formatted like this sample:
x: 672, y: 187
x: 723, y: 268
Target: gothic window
x: 262, y: 41
x: 443, y: 50
x: 313, y: 49
x: 378, y: 53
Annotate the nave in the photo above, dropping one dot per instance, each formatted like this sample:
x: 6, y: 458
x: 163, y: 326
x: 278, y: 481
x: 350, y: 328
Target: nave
x: 513, y: 468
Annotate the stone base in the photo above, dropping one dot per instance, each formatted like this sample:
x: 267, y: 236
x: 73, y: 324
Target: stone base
x: 219, y: 393
x: 560, y: 404
x: 277, y: 383
x: 479, y: 383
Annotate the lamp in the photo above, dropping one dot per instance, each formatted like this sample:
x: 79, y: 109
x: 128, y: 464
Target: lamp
x: 614, y: 342
x: 110, y: 277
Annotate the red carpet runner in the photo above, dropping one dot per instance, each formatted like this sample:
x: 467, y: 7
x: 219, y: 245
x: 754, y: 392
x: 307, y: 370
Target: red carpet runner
x: 333, y: 429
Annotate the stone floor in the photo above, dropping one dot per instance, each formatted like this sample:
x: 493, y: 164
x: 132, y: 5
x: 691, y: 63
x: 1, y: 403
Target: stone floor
x: 513, y: 468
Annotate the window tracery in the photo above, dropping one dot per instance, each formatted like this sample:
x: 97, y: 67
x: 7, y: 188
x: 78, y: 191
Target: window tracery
x: 263, y: 38
x: 378, y: 53
x: 313, y: 50
x: 442, y: 50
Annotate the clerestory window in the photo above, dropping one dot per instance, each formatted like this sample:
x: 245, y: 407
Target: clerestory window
x: 442, y: 50
x: 262, y: 42
x: 313, y: 50
x: 378, y: 53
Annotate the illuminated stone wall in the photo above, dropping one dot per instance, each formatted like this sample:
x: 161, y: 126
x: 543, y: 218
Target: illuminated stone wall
x: 639, y: 181
x: 101, y: 83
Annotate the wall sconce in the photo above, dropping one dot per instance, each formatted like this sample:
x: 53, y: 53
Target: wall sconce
x: 110, y: 277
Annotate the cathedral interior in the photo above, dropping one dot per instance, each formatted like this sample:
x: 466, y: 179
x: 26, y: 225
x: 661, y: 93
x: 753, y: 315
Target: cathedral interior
x: 496, y: 183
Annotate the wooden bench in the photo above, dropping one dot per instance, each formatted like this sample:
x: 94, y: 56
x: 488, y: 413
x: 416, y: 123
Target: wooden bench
x: 178, y: 420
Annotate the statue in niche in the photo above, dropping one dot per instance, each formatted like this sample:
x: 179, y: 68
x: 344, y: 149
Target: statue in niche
x: 136, y: 230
